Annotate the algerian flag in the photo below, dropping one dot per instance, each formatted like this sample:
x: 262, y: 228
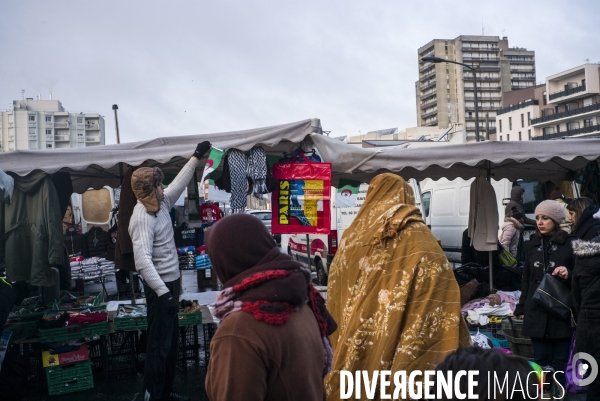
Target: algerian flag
x: 214, y: 159
x: 347, y: 193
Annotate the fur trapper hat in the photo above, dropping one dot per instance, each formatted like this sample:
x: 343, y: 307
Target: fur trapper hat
x: 144, y: 182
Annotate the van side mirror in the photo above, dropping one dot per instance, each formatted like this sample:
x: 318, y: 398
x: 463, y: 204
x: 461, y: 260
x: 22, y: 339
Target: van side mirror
x: 505, y: 201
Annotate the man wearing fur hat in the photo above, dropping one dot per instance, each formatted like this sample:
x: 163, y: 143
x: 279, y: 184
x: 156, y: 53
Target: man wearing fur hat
x: 156, y: 260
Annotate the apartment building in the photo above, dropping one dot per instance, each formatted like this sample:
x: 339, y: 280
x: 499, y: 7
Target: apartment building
x: 445, y: 92
x: 45, y: 124
x: 514, y: 121
x: 571, y: 104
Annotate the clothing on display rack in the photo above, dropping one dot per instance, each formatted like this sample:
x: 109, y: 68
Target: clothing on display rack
x: 75, y: 242
x: 202, y: 232
x: 97, y: 241
x: 210, y: 212
x: 248, y: 174
x: 31, y: 230
x: 186, y: 236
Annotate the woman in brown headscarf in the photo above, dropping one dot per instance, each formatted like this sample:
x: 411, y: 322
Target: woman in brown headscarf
x: 391, y: 290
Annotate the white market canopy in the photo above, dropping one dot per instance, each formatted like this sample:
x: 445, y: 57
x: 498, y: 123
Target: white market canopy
x: 527, y: 160
x: 95, y: 167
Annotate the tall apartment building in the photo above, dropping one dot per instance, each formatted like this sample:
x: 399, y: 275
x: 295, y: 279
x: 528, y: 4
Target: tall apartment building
x: 45, y: 124
x: 445, y: 91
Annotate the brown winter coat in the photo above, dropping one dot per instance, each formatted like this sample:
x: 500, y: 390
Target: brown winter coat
x: 267, y: 362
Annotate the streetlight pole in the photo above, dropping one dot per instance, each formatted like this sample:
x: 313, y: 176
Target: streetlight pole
x: 437, y: 60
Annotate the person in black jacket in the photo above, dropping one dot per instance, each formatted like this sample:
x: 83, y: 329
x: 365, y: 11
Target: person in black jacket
x: 516, y: 201
x: 586, y: 301
x: 581, y: 213
x: 550, y: 251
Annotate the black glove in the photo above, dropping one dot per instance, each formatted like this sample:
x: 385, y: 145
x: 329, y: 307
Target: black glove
x: 201, y: 149
x: 170, y: 303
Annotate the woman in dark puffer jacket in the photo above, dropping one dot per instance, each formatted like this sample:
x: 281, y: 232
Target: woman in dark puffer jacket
x: 586, y: 301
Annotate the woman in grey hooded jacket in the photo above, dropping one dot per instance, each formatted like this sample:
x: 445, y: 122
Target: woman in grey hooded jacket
x: 516, y: 201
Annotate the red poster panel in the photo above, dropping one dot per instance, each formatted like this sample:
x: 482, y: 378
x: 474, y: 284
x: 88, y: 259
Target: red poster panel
x: 301, y: 202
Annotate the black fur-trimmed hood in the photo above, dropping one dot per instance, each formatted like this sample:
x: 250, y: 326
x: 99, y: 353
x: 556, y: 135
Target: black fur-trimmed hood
x: 586, y: 248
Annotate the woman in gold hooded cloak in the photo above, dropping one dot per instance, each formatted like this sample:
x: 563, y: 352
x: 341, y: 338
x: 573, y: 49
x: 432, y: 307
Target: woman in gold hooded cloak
x: 391, y: 290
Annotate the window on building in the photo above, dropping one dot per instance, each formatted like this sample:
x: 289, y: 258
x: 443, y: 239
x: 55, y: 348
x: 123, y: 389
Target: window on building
x: 79, y: 120
x: 508, y: 137
x: 500, y: 137
x: 48, y: 119
x: 529, y: 134
x: 522, y: 120
x: 48, y: 132
x: 588, y: 122
x: 32, y: 117
x: 48, y: 145
x: 545, y: 101
x: 447, y: 71
x: 528, y: 118
x: 558, y: 128
x: 510, y: 123
x: 520, y: 138
x: 500, y: 125
x: 79, y: 133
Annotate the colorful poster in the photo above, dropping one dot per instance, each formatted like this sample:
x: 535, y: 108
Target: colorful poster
x: 301, y: 202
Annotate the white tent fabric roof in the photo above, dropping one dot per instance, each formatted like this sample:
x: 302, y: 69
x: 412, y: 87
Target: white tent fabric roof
x: 94, y: 167
x: 527, y: 160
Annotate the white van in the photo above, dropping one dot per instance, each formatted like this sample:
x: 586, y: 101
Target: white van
x: 323, y: 247
x: 446, y: 206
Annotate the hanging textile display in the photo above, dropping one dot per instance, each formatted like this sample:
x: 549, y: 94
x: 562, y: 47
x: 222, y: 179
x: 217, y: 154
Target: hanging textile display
x: 247, y: 174
x: 301, y: 200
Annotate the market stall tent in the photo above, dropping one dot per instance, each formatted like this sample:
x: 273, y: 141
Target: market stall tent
x: 98, y: 166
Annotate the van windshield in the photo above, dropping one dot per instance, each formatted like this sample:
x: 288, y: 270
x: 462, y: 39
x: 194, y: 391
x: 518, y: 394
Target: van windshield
x: 534, y: 194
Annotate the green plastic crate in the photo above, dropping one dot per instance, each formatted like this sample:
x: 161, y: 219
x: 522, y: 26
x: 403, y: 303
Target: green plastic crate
x: 65, y: 298
x: 73, y: 332
x: 130, y: 323
x: 20, y: 330
x: 79, y: 384
x: 190, y: 319
x: 64, y: 373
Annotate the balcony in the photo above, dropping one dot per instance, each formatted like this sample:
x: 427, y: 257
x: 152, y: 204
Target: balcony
x: 61, y: 125
x: 429, y: 114
x: 482, y: 98
x: 432, y: 123
x: 428, y: 94
x: 483, y: 88
x: 480, y: 49
x: 62, y: 138
x: 569, y: 113
x: 32, y: 124
x: 49, y: 124
x: 482, y: 108
x: 426, y: 67
x: 92, y: 126
x: 521, y: 61
x: 33, y: 137
x: 469, y: 77
x: 427, y: 76
x: 428, y: 104
x: 567, y: 92
x: 519, y: 106
x: 579, y: 131
x: 427, y: 86
x: 92, y: 139
x: 478, y: 58
x: 532, y: 79
x: 80, y: 139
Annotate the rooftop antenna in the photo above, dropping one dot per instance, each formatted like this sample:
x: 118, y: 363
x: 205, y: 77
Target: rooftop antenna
x: 587, y: 60
x: 482, y: 28
x: 503, y: 32
x: 23, y: 93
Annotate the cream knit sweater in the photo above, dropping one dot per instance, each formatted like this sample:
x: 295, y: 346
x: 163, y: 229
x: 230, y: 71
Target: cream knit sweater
x: 152, y: 235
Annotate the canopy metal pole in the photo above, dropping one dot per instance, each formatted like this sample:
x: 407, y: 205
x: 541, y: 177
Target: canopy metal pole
x: 131, y: 286
x: 490, y: 261
x: 308, y: 251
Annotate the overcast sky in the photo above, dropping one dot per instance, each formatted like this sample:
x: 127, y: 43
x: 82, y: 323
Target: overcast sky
x: 192, y: 67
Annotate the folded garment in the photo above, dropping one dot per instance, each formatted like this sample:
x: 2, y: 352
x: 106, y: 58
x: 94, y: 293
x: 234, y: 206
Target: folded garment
x: 480, y: 315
